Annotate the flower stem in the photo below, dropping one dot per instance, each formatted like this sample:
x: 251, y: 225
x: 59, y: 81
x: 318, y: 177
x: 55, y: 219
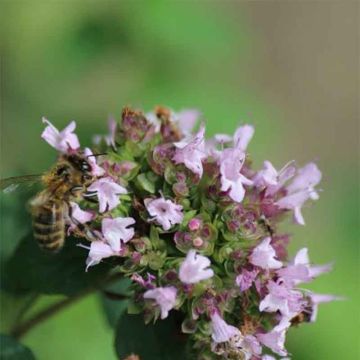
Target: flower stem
x: 23, y: 328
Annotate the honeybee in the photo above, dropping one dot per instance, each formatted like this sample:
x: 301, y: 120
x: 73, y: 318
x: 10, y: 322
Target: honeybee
x: 67, y: 180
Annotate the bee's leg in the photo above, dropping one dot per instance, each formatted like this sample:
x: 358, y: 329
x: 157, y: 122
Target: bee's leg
x: 81, y: 230
x: 86, y: 232
x: 76, y: 189
x: 91, y: 196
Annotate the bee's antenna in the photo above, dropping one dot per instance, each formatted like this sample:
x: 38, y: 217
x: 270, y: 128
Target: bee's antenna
x: 95, y: 155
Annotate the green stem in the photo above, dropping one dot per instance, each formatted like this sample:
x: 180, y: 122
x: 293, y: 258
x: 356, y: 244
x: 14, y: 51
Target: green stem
x: 23, y: 328
x: 26, y: 307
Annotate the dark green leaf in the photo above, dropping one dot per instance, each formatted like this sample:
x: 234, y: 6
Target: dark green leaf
x: 160, y: 341
x: 11, y: 349
x: 30, y: 269
x: 111, y: 300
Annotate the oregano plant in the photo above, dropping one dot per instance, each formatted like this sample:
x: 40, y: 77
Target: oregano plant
x: 180, y: 234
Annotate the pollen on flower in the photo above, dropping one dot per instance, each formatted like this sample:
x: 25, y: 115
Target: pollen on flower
x: 195, y: 227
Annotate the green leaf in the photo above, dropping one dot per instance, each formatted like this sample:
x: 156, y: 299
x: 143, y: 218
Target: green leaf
x: 113, y: 307
x: 143, y: 183
x: 11, y: 349
x: 30, y: 269
x: 159, y: 341
x: 188, y: 216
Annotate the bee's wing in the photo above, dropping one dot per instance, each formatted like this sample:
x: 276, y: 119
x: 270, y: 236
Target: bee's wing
x: 10, y: 184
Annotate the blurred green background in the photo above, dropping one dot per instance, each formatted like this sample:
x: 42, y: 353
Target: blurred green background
x: 289, y: 67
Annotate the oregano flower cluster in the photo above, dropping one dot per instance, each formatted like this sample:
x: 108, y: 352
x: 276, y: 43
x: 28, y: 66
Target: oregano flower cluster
x: 194, y: 226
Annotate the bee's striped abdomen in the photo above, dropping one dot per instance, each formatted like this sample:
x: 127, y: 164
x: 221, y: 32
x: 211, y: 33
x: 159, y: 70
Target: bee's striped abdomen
x: 49, y: 225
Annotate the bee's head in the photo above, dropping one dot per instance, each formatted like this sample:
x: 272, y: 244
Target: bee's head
x: 73, y: 166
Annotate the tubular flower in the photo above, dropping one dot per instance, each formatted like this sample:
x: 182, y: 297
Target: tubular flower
x: 242, y: 137
x: 300, y: 190
x: 195, y: 268
x: 62, y: 141
x: 274, y: 340
x: 116, y: 231
x: 299, y: 270
x: 267, y: 176
x: 98, y: 250
x: 165, y: 297
x: 263, y: 256
x: 80, y: 216
x: 317, y: 299
x: 186, y: 120
x: 283, y: 299
x: 209, y: 248
x: 221, y: 331
x: 108, y: 192
x: 231, y: 162
x: 96, y: 170
x: 164, y: 212
x: 246, y: 279
x: 191, y: 152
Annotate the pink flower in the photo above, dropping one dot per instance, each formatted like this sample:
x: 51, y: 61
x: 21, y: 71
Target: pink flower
x: 317, y: 299
x: 148, y: 283
x: 98, y: 251
x: 221, y: 331
x: 96, y: 170
x: 108, y: 193
x: 263, y: 256
x: 214, y: 146
x: 246, y: 279
x: 165, y: 297
x: 245, y: 346
x: 110, y: 137
x: 280, y: 298
x: 299, y: 270
x: 195, y: 268
x: 165, y: 212
x: 300, y: 190
x: 116, y: 231
x: 186, y: 120
x: 62, y: 141
x: 231, y: 162
x: 242, y: 137
x: 80, y: 216
x: 191, y: 152
x: 283, y: 175
x: 240, y: 142
x: 306, y: 179
x: 274, y: 340
x: 250, y: 345
x: 267, y: 176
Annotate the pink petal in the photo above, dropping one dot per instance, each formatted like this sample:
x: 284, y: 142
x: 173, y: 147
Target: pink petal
x: 195, y: 268
x: 165, y: 297
x: 79, y: 215
x: 242, y: 136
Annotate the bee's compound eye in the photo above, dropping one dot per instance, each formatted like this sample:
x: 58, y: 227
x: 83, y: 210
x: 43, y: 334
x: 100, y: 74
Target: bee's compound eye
x: 62, y: 170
